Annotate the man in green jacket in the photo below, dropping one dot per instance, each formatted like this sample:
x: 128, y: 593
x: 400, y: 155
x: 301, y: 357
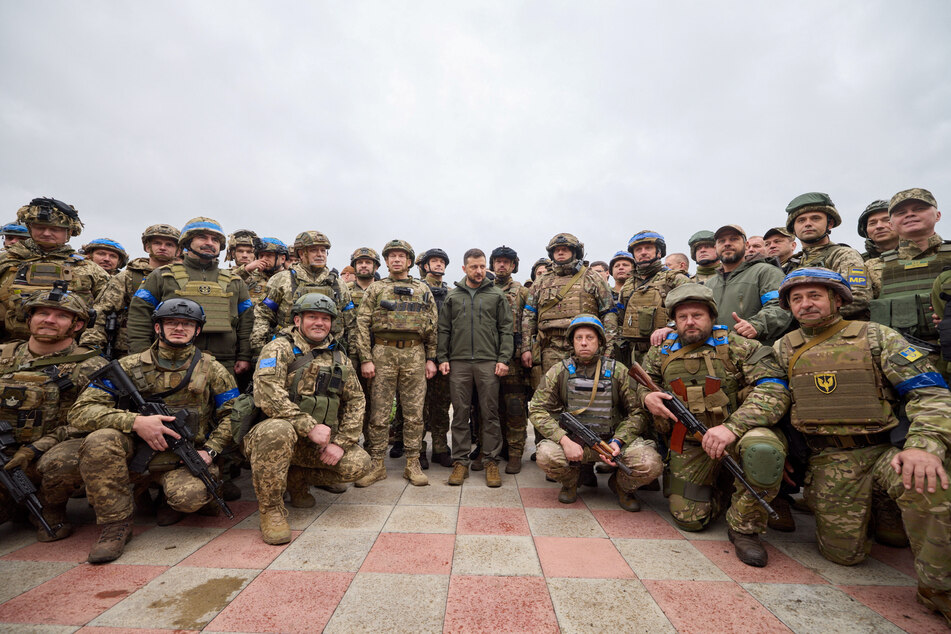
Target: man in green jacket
x: 474, y: 349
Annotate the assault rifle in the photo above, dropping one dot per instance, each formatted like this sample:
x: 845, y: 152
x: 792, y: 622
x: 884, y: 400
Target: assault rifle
x: 583, y: 434
x: 696, y: 429
x: 20, y: 486
x: 182, y: 447
x: 112, y: 332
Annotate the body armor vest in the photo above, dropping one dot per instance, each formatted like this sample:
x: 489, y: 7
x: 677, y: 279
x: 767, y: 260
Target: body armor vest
x: 905, y: 299
x: 575, y: 302
x: 214, y: 297
x: 356, y: 294
x: 329, y: 286
x: 712, y: 387
x: 836, y: 386
x: 257, y: 286
x: 38, y: 275
x: 400, y: 310
x: 439, y: 294
x: 317, y: 388
x: 601, y: 416
x: 644, y: 311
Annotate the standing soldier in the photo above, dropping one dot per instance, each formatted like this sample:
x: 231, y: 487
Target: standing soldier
x: 400, y: 315
x: 365, y: 263
x: 269, y: 257
x: 34, y: 264
x: 849, y: 381
x: 641, y: 304
x: 878, y: 232
x: 241, y: 246
x: 622, y: 266
x: 13, y: 233
x: 703, y: 251
x: 108, y: 254
x: 811, y: 217
x: 308, y: 390
x: 310, y: 275
x: 436, y: 408
x: 780, y: 244
x: 709, y: 368
x: 112, y: 305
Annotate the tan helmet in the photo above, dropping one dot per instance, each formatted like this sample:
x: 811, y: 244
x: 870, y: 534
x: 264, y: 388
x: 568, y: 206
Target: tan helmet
x: 241, y: 237
x: 160, y: 231
x: 807, y: 203
x: 400, y: 245
x: 691, y: 292
x: 565, y: 240
x: 58, y: 297
x: 365, y: 252
x: 201, y: 224
x: 108, y: 245
x: 306, y: 239
x: 52, y: 212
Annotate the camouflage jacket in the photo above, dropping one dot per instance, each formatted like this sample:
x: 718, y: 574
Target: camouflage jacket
x: 848, y: 263
x: 372, y: 318
x: 704, y: 273
x: 88, y: 280
x: 650, y: 285
x: 241, y: 272
x: 755, y: 373
x: 257, y: 285
x: 115, y: 298
x: 907, y: 250
x: 273, y: 386
x: 548, y: 401
x: 356, y: 293
x: 284, y: 288
x: 208, y: 396
x: 751, y: 290
x: 516, y: 295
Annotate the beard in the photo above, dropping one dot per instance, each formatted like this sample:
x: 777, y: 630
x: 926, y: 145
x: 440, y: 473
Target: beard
x: 734, y: 258
x: 695, y: 337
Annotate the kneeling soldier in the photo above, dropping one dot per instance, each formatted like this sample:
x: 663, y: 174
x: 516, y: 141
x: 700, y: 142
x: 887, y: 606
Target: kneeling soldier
x: 308, y: 389
x: 710, y: 369
x: 596, y: 390
x: 185, y: 378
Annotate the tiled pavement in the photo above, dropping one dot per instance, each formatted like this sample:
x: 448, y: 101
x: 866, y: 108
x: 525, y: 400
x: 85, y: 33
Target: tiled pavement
x: 394, y: 558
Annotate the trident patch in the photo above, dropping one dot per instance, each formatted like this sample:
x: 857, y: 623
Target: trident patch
x: 825, y: 382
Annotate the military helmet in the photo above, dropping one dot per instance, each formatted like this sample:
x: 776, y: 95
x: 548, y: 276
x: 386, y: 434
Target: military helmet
x: 814, y: 275
x: 399, y: 245
x: 13, y: 229
x: 873, y: 207
x: 198, y: 225
x: 241, y: 237
x: 314, y: 302
x: 691, y: 292
x: 565, y: 240
x: 426, y: 256
x: 701, y: 237
x: 590, y: 321
x: 58, y: 297
x: 808, y: 203
x: 620, y: 255
x: 52, y: 212
x: 270, y: 245
x: 651, y: 237
x: 539, y: 261
x: 179, y: 308
x: 365, y: 252
x: 306, y: 239
x: 108, y: 245
x: 504, y: 252
x: 160, y: 231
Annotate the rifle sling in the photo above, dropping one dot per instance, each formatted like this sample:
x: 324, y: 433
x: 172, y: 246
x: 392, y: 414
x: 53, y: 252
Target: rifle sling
x: 594, y: 389
x: 690, y: 347
x: 554, y: 301
x: 73, y: 358
x: 828, y: 334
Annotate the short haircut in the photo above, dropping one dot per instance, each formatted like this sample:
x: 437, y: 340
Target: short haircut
x: 472, y: 254
x: 680, y: 258
x: 600, y: 263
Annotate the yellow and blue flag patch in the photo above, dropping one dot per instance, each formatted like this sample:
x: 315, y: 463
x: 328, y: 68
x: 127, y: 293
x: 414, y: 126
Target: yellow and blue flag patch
x: 857, y: 277
x: 912, y: 353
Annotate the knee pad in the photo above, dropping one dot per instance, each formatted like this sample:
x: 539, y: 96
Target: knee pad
x: 763, y: 462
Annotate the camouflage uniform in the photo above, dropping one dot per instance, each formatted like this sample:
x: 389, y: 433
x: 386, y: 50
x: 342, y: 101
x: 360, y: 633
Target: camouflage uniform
x: 641, y: 307
x: 356, y: 296
x: 436, y: 406
x: 115, y: 298
x: 104, y: 454
x: 514, y: 387
x: 704, y: 273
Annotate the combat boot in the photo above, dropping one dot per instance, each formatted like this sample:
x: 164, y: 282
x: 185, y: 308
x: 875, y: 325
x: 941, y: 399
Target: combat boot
x: 55, y: 516
x: 297, y: 488
x: 377, y: 472
x: 889, y: 528
x: 587, y: 477
x: 442, y: 458
x: 274, y: 527
x: 749, y: 549
x: 785, y: 522
x: 338, y: 487
x: 423, y: 460
x: 492, y: 477
x: 478, y: 463
x: 459, y: 473
x: 112, y: 541
x: 936, y: 600
x: 230, y: 491
x: 514, y: 464
x: 569, y: 487
x: 625, y: 499
x: 414, y: 473
x: 165, y: 515
x: 396, y: 451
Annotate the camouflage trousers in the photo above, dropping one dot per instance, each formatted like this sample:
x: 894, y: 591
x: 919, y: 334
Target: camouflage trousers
x: 402, y: 370
x: 9, y: 509
x: 273, y: 447
x: 641, y: 456
x: 104, y: 457
x: 436, y: 411
x: 365, y: 386
x: 694, y: 499
x: 554, y: 349
x: 513, y: 406
x: 839, y: 487
x: 55, y: 476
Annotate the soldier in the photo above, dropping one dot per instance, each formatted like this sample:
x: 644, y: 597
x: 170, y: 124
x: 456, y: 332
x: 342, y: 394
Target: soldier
x: 348, y: 275
x: 703, y: 251
x: 400, y: 313
x: 34, y: 264
x: 13, y: 233
x: 241, y: 247
x: 641, y: 304
x: 597, y: 390
x: 541, y: 266
x: 39, y: 381
x: 709, y: 368
x: 755, y: 248
x: 677, y: 262
x: 601, y: 268
x: 310, y: 275
x: 173, y: 369
x: 161, y: 244
x: 269, y: 257
x: 557, y: 297
x: 108, y: 254
x: 780, y: 244
x: 308, y: 390
x: 849, y: 380
x: 365, y: 263
x: 433, y: 264
x: 811, y: 217
x: 874, y: 225
x: 622, y: 266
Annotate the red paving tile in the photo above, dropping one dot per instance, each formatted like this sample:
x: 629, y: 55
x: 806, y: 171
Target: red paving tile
x: 898, y: 605
x: 546, y: 498
x: 284, y: 601
x: 898, y: 558
x: 499, y: 604
x: 236, y: 548
x: 241, y: 510
x: 411, y: 553
x: 644, y: 524
x: 725, y: 607
x: 74, y: 548
x: 475, y: 520
x: 592, y: 558
x: 79, y: 594
x: 127, y: 630
x: 781, y: 568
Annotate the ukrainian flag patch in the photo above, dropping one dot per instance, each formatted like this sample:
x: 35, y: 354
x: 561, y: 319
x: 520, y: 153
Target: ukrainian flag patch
x: 857, y: 277
x: 268, y: 363
x: 912, y: 354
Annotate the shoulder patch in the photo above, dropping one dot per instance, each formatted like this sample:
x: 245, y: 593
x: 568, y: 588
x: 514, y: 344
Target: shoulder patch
x: 857, y: 277
x: 268, y: 363
x: 911, y: 353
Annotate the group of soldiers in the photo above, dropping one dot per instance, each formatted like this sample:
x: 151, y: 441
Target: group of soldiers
x: 820, y: 368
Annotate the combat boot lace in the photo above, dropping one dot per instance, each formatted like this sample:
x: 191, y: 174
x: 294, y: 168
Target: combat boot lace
x: 749, y: 549
x: 514, y: 463
x: 274, y: 527
x: 414, y: 473
x: 492, y: 477
x: 459, y: 473
x: 112, y: 541
x: 377, y: 472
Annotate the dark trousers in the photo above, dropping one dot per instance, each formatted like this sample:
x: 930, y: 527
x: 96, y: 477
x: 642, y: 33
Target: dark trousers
x: 463, y: 377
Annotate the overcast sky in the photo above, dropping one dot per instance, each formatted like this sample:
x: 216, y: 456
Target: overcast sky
x: 460, y: 124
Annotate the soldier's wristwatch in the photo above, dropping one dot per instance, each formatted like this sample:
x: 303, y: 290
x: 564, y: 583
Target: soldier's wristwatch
x: 211, y: 452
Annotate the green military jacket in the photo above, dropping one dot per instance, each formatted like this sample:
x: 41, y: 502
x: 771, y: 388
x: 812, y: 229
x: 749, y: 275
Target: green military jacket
x: 115, y: 298
x: 751, y: 291
x: 475, y: 325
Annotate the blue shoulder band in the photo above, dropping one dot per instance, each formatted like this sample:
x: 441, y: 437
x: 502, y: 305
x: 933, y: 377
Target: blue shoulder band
x: 243, y: 306
x: 531, y: 308
x: 772, y: 380
x: 224, y: 397
x: 349, y: 306
x: 147, y: 296
x: 925, y: 379
x: 765, y: 297
x: 270, y: 303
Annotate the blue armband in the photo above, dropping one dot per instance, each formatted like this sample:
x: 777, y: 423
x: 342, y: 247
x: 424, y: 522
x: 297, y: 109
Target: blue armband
x: 765, y: 297
x: 349, y: 306
x: 147, y: 296
x: 270, y: 303
x: 531, y: 308
x: 772, y: 380
x: 243, y: 306
x: 925, y: 379
x: 224, y: 397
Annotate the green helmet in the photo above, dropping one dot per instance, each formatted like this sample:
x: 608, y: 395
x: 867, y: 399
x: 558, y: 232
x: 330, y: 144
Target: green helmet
x: 243, y: 238
x: 400, y: 245
x: 588, y: 321
x: 807, y: 203
x: 691, y: 292
x: 565, y: 240
x: 701, y: 237
x: 539, y: 262
x: 58, y: 297
x: 873, y: 207
x: 365, y: 252
x: 52, y: 212
x: 306, y: 239
x: 198, y: 225
x: 108, y: 245
x: 160, y: 231
x: 314, y: 302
